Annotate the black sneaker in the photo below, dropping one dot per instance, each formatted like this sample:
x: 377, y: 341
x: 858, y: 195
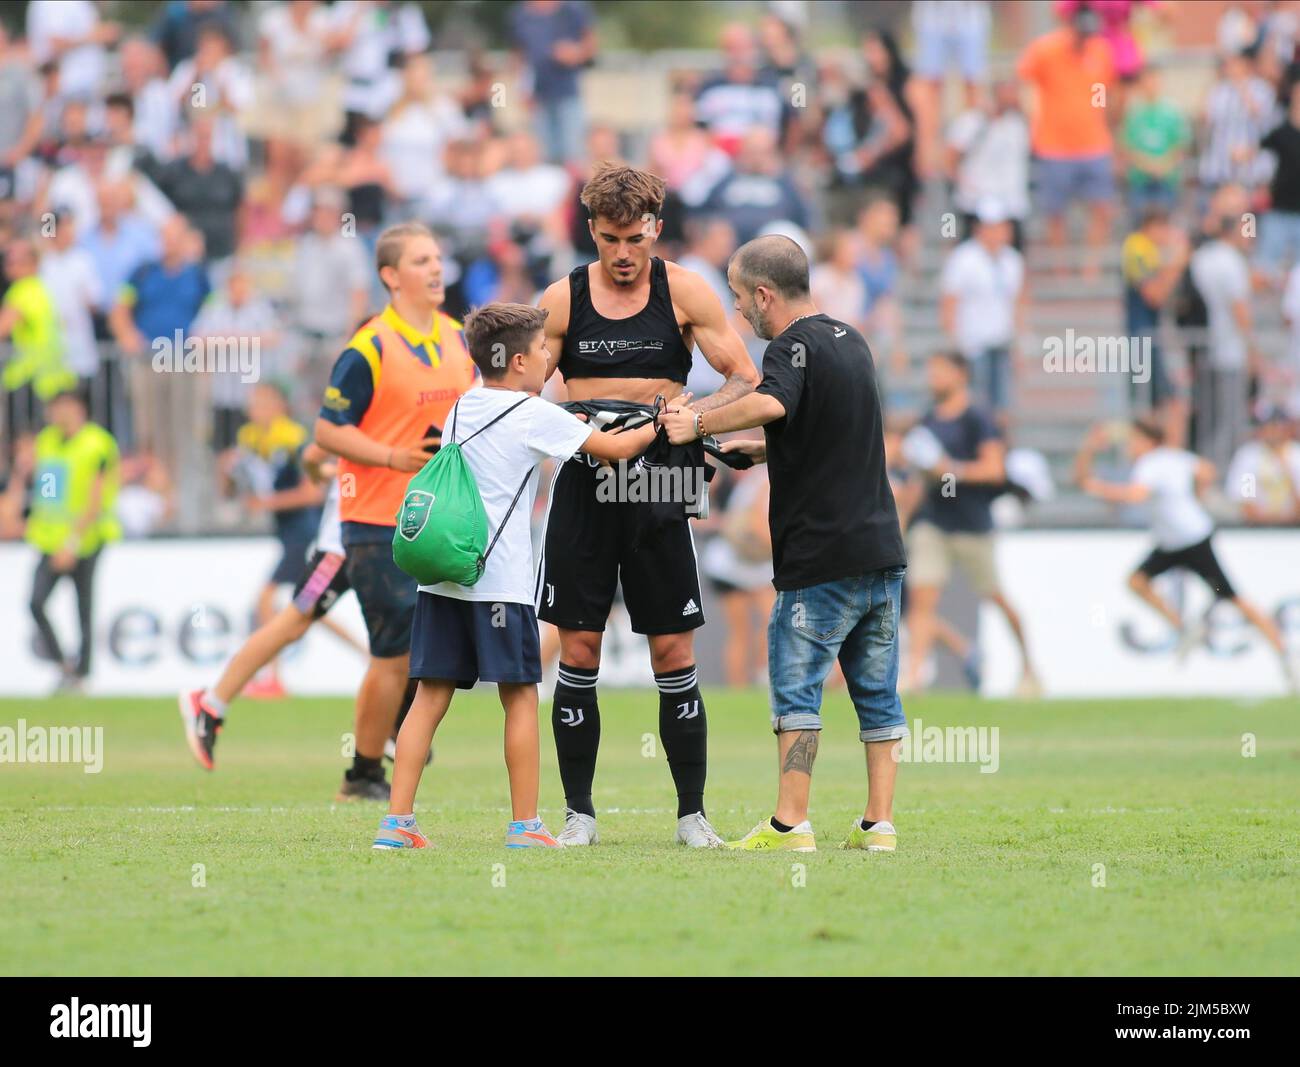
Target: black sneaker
x: 201, y: 728
x: 363, y: 788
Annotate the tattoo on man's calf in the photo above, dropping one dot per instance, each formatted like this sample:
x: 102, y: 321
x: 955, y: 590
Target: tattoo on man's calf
x: 802, y: 753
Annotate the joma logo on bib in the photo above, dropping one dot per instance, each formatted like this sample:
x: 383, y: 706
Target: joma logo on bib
x: 415, y: 513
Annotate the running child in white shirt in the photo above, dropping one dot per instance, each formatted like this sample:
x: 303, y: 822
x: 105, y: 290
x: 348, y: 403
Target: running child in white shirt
x: 1170, y: 481
x: 488, y: 631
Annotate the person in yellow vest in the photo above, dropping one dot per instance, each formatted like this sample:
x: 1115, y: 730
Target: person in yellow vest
x: 74, y: 490
x: 35, y: 369
x: 383, y: 412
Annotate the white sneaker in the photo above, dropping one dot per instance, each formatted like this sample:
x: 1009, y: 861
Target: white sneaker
x: 694, y: 831
x: 1030, y: 688
x: 578, y: 830
x: 1189, y: 638
x: 1291, y: 668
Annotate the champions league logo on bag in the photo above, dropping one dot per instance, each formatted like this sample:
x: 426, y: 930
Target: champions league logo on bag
x: 415, y: 513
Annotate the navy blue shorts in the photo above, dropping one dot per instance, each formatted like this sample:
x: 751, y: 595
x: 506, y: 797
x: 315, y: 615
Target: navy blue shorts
x: 386, y: 594
x: 293, y: 561
x: 467, y: 641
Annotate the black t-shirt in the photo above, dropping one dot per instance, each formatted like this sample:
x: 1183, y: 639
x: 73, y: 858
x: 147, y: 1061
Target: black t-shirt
x: 1284, y: 142
x: 957, y: 508
x: 832, y: 512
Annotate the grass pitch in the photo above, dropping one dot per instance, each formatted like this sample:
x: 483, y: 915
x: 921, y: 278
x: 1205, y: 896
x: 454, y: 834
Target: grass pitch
x: 996, y: 873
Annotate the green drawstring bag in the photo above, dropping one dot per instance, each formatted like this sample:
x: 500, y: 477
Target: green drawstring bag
x: 442, y: 529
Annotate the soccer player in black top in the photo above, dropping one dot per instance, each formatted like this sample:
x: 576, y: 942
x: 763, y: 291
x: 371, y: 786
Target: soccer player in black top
x: 623, y: 329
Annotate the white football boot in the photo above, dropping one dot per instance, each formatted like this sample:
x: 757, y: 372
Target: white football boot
x: 694, y: 831
x: 578, y: 830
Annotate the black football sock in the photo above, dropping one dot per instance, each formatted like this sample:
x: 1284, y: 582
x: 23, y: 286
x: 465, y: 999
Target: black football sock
x: 365, y: 767
x: 575, y: 720
x: 407, y: 700
x: 684, y: 731
x: 866, y: 825
x: 779, y: 826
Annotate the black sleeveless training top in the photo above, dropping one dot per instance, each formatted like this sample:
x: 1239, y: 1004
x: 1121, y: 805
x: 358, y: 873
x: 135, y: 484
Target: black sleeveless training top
x: 645, y: 345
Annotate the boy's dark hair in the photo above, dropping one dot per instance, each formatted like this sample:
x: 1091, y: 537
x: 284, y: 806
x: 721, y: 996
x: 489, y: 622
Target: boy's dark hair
x: 496, y: 331
x: 1150, y: 429
x: 75, y: 393
x: 122, y: 100
x: 955, y: 359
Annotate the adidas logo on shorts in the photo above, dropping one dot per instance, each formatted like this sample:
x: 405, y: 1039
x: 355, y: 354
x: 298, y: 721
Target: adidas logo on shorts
x: 691, y: 608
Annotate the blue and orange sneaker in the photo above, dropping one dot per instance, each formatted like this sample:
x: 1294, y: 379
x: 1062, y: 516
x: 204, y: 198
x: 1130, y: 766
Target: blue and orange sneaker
x: 399, y: 831
x: 530, y: 833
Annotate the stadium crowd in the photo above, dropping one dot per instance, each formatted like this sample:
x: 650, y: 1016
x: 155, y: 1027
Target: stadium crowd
x: 223, y: 174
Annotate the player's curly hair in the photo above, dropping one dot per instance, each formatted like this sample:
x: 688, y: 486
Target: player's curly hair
x: 623, y: 194
x: 496, y: 331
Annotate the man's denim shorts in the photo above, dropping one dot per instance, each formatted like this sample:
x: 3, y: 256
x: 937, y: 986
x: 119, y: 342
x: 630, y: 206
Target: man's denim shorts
x: 854, y: 620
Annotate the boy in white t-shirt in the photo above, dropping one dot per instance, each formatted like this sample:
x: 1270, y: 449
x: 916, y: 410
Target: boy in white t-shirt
x: 1170, y: 481
x: 488, y: 631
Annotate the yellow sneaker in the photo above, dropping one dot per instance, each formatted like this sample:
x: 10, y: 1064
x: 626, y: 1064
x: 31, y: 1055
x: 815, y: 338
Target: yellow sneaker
x: 882, y: 837
x: 765, y: 836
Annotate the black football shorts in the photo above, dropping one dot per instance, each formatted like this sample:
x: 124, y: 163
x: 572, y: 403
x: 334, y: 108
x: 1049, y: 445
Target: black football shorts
x: 588, y: 550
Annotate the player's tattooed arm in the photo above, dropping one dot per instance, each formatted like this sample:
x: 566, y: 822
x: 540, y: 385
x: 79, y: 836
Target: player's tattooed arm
x: 719, y: 342
x: 555, y: 302
x: 802, y: 753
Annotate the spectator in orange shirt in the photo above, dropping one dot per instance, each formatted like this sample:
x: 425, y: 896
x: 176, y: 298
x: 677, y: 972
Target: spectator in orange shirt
x: 1071, y: 68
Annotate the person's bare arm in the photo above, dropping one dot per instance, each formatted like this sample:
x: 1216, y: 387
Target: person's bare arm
x: 948, y: 313
x: 754, y: 409
x: 318, y: 463
x: 623, y: 445
x: 754, y: 449
x: 717, y: 340
x: 1205, y: 475
x: 9, y: 318
x: 350, y: 443
x: 555, y: 301
x: 31, y: 136
x: 122, y: 325
x: 306, y: 494
x: 1115, y: 492
x: 987, y: 468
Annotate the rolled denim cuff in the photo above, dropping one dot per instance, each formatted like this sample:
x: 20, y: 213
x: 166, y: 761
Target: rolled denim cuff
x: 784, y: 724
x: 885, y: 733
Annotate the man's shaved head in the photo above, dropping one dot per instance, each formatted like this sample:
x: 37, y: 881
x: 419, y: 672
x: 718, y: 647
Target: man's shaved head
x: 764, y: 274
x: 774, y: 262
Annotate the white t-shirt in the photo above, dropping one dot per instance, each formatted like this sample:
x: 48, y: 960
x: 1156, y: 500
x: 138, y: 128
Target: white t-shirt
x: 536, y: 191
x: 299, y: 60
x: 81, y: 69
x: 1222, y: 277
x: 74, y: 284
x: 498, y: 457
x: 995, y: 163
x: 414, y: 139
x: 986, y: 288
x: 1258, y: 475
x: 1177, y: 518
x: 372, y: 83
x: 329, y: 534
